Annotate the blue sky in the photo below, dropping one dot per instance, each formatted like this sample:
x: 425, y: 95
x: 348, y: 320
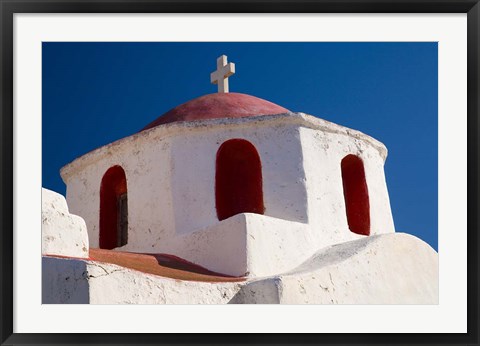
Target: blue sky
x: 96, y: 93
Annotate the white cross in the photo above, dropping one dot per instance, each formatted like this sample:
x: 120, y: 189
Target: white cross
x: 220, y: 76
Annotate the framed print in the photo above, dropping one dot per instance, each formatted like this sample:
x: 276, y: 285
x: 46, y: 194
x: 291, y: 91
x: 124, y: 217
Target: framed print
x: 218, y: 168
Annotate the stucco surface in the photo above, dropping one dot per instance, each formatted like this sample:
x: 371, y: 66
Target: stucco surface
x: 248, y: 245
x: 322, y: 156
x: 170, y: 171
x: 87, y: 282
x: 62, y: 233
x: 384, y: 269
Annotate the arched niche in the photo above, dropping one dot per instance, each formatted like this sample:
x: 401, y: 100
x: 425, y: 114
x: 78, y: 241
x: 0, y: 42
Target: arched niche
x: 355, y: 191
x: 238, y: 179
x: 113, y: 209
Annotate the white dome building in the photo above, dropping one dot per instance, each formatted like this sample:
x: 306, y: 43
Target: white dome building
x: 250, y: 191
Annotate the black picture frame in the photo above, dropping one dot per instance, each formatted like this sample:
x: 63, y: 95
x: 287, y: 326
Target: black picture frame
x: 10, y: 7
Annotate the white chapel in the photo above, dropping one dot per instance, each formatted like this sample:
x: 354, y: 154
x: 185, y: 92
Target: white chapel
x: 232, y: 192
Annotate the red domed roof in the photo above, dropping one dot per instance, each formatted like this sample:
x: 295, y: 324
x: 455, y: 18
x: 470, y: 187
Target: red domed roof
x: 214, y: 106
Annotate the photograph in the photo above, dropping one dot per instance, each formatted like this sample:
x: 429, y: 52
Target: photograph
x: 240, y: 173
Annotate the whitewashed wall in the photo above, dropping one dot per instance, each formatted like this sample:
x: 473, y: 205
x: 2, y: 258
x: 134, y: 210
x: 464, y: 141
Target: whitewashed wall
x: 145, y: 159
x: 73, y: 281
x: 323, y: 152
x: 193, y: 172
x: 63, y: 233
x: 170, y: 174
x: 382, y: 269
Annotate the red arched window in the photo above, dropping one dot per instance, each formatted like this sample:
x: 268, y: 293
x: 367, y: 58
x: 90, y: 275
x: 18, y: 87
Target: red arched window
x: 113, y: 209
x: 238, y: 179
x: 355, y: 191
